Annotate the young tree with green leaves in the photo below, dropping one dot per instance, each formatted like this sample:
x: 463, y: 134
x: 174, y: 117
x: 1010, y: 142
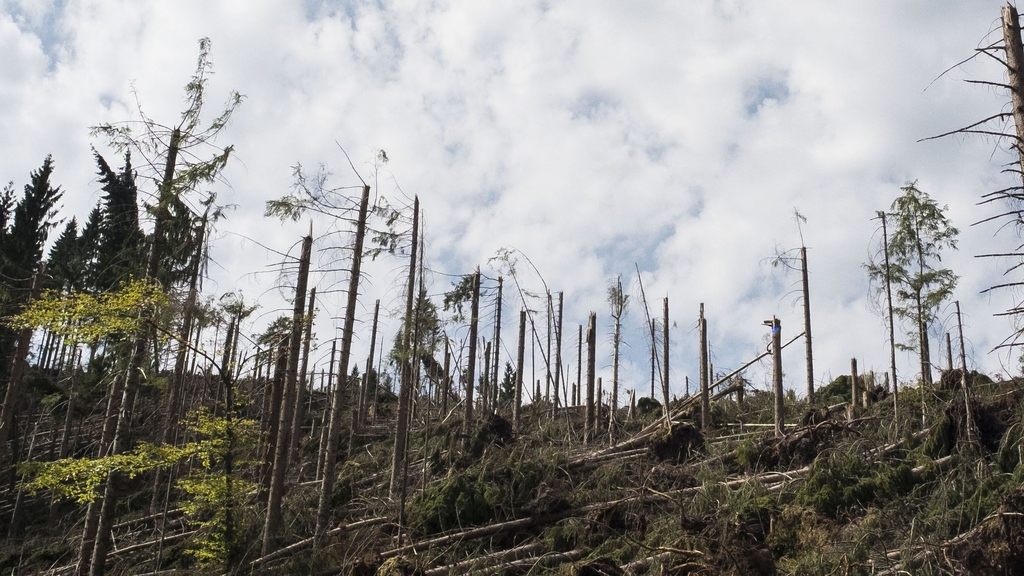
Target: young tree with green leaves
x: 919, y: 233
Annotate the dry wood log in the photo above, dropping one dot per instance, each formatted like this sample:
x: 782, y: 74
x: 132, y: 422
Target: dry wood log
x: 308, y: 542
x: 517, y: 553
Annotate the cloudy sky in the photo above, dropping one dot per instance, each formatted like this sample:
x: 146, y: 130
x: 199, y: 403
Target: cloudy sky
x: 592, y: 137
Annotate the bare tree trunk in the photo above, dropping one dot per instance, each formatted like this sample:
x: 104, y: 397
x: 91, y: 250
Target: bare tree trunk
x: 854, y: 386
x: 272, y: 417
x: 547, y: 357
x: 892, y: 329
x: 520, y: 359
x: 578, y: 386
x: 288, y: 414
x: 496, y: 364
x: 971, y: 432
x: 705, y: 398
x: 1014, y: 50
x: 364, y: 400
x: 616, y: 341
x: 780, y: 414
x: 405, y: 392
x: 299, y: 415
x: 171, y: 414
x: 664, y: 353
x: 325, y: 415
x: 471, y: 368
x: 92, y: 513
x: 485, y: 386
x: 229, y: 456
x: 808, y: 351
x: 446, y: 387
x: 559, y: 381
x: 331, y: 454
x: 588, y: 430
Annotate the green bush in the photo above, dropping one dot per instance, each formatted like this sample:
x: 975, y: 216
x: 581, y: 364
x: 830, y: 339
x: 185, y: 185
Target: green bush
x: 456, y: 502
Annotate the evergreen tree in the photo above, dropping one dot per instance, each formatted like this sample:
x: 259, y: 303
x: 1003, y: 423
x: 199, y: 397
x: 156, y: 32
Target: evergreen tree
x: 65, y: 267
x: 89, y: 247
x: 31, y: 222
x: 21, y: 250
x: 121, y: 250
x: 920, y: 232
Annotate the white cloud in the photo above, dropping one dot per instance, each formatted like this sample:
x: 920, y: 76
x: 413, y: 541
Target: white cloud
x: 588, y: 135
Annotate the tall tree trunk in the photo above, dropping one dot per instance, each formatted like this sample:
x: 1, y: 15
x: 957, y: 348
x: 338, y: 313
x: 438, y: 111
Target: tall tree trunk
x: 364, y: 399
x: 589, y: 428
x: 892, y: 329
x: 780, y: 426
x: 616, y: 341
x: 172, y: 398
x: 299, y: 416
x: 517, y: 406
x: 808, y: 350
x: 485, y: 391
x: 273, y: 527
x: 664, y: 356
x: 558, y: 350
x: 331, y: 454
x: 705, y: 394
x: 405, y: 386
x: 496, y: 363
x: 579, y: 367
x: 275, y: 398
x: 1014, y: 50
x: 121, y: 440
x: 474, y: 320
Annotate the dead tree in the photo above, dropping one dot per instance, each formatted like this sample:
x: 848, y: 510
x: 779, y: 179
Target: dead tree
x: 405, y: 384
x: 705, y: 399
x: 589, y: 429
x: 352, y: 297
x: 299, y: 415
x: 474, y: 319
x: 274, y: 525
x: 520, y: 358
x: 618, y: 302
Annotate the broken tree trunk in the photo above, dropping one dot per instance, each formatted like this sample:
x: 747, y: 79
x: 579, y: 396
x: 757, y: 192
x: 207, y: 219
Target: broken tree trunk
x: 405, y: 377
x: 299, y: 415
x: 588, y: 431
x: 808, y: 350
x: 520, y: 357
x: 780, y: 414
x: 471, y: 361
x: 274, y: 525
x: 705, y: 402
x: 331, y: 452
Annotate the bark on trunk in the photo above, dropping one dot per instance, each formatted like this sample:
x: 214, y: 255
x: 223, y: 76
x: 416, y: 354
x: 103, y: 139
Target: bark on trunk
x: 273, y: 527
x: 331, y: 454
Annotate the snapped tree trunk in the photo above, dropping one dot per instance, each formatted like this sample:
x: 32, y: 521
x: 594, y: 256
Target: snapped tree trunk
x: 589, y: 428
x: 331, y: 452
x: 471, y: 362
x: 273, y: 526
x: 520, y: 358
x: 405, y: 386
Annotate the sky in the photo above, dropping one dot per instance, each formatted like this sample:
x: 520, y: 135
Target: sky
x: 591, y: 139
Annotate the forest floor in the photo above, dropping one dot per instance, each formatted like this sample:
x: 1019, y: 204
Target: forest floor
x: 916, y: 486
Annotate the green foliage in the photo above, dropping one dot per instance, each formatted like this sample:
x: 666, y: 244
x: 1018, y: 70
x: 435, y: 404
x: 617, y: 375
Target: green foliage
x: 460, y: 293
x: 839, y: 482
x: 918, y: 234
x: 456, y: 502
x: 89, y: 318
